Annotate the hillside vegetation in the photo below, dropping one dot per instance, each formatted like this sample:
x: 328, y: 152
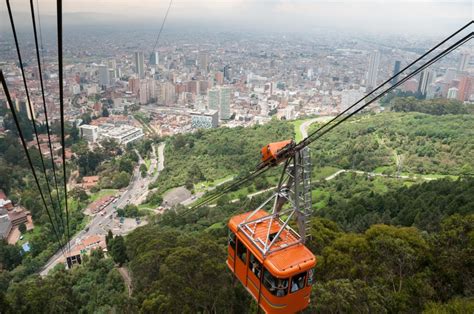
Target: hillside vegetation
x: 214, y: 154
x: 392, y: 267
x: 419, y: 143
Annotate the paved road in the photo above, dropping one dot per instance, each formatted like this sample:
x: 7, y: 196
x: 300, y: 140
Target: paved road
x: 104, y: 220
x: 305, y: 125
x: 126, y: 278
x: 198, y: 195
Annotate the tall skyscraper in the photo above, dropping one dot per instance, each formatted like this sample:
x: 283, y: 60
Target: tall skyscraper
x: 224, y: 100
x: 426, y: 78
x: 203, y: 61
x: 396, y: 69
x: 139, y: 64
x: 154, y: 58
x: 374, y: 62
x: 464, y: 61
x: 465, y: 87
x: 219, y: 99
x: 213, y: 99
x: 227, y: 72
x: 104, y: 80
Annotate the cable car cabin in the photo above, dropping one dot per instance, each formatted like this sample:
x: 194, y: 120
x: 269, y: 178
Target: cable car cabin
x: 281, y: 281
x: 271, y: 153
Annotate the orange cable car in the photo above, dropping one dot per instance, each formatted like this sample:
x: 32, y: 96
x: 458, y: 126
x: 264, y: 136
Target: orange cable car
x: 283, y: 284
x: 269, y: 257
x: 272, y: 153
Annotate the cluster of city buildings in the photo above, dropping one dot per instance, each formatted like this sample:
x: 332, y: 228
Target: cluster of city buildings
x: 114, y: 128
x: 245, y: 81
x: 11, y: 216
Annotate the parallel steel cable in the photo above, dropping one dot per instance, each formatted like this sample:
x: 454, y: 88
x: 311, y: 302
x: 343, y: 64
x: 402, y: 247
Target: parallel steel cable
x: 59, y: 4
x: 213, y: 197
x: 46, y: 111
x: 25, y: 148
x: 33, y: 120
x: 303, y: 142
x: 162, y: 26
x: 40, y: 31
x: 306, y: 143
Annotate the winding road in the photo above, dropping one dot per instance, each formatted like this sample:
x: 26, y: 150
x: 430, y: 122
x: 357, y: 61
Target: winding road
x: 103, y: 221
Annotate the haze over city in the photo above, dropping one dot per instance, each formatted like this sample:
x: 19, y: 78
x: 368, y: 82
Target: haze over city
x: 414, y: 17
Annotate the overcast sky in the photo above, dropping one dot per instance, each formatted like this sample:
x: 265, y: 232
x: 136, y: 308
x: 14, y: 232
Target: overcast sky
x: 390, y: 16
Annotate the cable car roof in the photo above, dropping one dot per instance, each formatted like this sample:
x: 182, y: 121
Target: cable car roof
x: 288, y: 257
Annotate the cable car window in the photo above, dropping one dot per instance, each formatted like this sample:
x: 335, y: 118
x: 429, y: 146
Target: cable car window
x: 242, y: 252
x: 310, y: 276
x: 275, y: 286
x: 255, y: 266
x: 297, y: 282
x: 232, y: 239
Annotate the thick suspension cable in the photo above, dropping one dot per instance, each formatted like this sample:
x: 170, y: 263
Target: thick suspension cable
x: 40, y: 30
x: 25, y: 148
x: 303, y: 142
x: 61, y: 109
x: 162, y: 26
x: 213, y: 197
x: 46, y: 112
x: 32, y: 115
x: 306, y: 141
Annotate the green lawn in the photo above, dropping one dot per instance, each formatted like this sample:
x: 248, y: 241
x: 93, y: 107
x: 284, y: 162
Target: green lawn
x: 104, y: 192
x: 323, y: 172
x: 147, y: 163
x: 205, y: 185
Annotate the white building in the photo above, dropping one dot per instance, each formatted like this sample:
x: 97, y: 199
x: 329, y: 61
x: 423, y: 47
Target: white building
x: 453, y: 93
x: 89, y: 132
x: 204, y: 120
x: 123, y: 134
x: 374, y: 61
x: 154, y: 58
x: 219, y: 99
x: 104, y: 79
x: 224, y: 111
x: 139, y: 64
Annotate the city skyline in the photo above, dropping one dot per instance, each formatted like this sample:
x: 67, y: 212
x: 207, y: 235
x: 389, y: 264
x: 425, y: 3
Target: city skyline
x: 423, y: 17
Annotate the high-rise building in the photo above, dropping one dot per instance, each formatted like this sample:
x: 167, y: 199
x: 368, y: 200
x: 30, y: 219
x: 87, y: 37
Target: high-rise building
x: 219, y: 99
x: 426, y: 78
x: 452, y: 93
x: 154, y: 58
x: 374, y: 62
x: 139, y: 64
x: 104, y: 80
x: 168, y: 93
x: 464, y: 61
x: 465, y: 87
x: 213, y: 99
x: 227, y: 72
x: 224, y: 100
x: 144, y: 95
x: 219, y: 77
x: 134, y: 85
x: 396, y: 69
x: 203, y: 61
